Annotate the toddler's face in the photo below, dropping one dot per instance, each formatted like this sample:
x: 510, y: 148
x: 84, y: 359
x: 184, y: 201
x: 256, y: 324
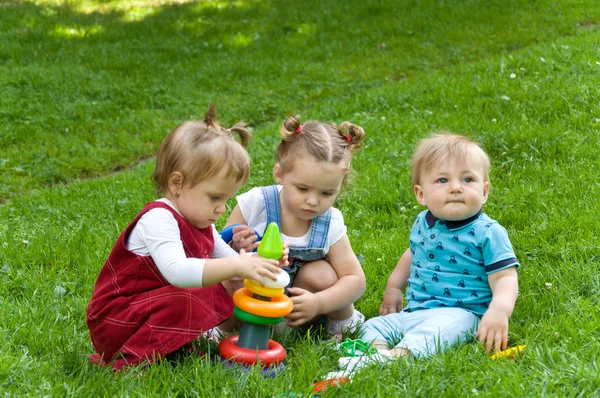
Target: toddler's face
x: 453, y: 190
x: 310, y: 188
x: 203, y: 203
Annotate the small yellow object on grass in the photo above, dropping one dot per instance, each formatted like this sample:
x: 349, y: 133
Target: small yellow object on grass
x: 510, y: 353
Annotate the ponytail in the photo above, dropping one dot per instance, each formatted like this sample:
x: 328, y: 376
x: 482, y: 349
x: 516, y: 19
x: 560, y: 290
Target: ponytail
x: 353, y: 134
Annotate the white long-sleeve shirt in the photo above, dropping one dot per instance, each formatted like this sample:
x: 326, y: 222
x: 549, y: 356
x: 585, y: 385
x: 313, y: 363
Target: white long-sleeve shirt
x: 156, y: 234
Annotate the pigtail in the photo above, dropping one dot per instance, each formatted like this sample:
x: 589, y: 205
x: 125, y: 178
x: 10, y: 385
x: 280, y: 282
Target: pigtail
x: 291, y: 128
x: 210, y: 121
x: 242, y: 132
x: 210, y: 116
x: 352, y: 134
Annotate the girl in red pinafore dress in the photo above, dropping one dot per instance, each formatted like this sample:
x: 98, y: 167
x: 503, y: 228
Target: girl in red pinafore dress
x: 168, y: 278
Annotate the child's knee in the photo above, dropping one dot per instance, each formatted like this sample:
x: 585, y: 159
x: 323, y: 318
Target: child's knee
x: 316, y: 276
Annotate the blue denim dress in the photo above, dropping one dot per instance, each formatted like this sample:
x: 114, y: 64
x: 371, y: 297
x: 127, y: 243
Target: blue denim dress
x: 319, y: 231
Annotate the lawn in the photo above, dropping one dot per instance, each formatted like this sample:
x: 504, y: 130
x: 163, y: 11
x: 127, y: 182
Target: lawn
x: 88, y: 89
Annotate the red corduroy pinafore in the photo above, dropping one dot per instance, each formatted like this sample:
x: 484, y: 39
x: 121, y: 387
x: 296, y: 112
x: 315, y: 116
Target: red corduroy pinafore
x: 135, y: 315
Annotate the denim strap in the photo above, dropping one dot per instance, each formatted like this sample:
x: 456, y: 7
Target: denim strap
x: 319, y: 230
x: 271, y: 197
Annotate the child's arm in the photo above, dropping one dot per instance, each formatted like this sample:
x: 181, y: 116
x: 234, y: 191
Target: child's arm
x: 157, y: 234
x: 392, y: 298
x: 248, y: 267
x: 350, y: 286
x: 493, y: 328
x: 243, y: 236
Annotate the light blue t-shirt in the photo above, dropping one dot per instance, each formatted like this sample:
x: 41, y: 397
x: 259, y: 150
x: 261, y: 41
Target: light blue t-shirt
x: 451, y: 261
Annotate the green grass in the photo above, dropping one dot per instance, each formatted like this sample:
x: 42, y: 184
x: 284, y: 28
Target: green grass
x: 90, y: 88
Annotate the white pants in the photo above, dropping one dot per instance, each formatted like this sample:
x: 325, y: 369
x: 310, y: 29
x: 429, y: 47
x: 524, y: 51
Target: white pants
x: 423, y: 332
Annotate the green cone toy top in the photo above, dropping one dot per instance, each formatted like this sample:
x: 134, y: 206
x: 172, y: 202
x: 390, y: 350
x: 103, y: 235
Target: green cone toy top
x: 271, y: 245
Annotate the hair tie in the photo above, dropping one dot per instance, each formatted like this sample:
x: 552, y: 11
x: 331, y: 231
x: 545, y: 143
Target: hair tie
x: 348, y: 138
x: 298, y: 129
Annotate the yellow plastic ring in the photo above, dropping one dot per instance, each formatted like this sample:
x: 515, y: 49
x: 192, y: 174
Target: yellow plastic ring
x: 263, y: 290
x: 278, y: 306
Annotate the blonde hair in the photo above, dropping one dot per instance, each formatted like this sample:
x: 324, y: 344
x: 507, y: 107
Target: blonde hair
x: 201, y: 149
x: 325, y: 142
x: 443, y: 146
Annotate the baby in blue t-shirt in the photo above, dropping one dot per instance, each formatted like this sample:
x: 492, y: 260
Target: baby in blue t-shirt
x: 460, y: 270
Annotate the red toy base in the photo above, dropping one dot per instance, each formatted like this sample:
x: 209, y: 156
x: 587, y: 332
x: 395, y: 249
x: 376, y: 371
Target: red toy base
x: 232, y: 352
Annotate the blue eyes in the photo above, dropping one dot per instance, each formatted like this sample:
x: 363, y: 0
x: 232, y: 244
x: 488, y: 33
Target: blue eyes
x: 443, y: 180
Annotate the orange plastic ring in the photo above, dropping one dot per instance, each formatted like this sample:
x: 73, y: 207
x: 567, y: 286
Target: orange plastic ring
x: 274, y: 354
x: 278, y: 306
x: 262, y: 290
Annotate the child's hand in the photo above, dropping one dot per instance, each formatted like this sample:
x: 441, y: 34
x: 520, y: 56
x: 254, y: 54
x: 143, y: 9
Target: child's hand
x: 306, y: 306
x: 256, y: 267
x: 392, y: 301
x: 284, y: 261
x: 493, y: 330
x: 244, y: 238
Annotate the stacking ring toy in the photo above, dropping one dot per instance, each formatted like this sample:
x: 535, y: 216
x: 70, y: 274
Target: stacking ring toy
x: 278, y: 306
x: 259, y: 306
x: 255, y: 319
x: 229, y: 349
x: 263, y: 290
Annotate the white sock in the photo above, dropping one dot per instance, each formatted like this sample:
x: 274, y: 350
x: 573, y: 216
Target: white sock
x: 345, y: 325
x: 215, y: 334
